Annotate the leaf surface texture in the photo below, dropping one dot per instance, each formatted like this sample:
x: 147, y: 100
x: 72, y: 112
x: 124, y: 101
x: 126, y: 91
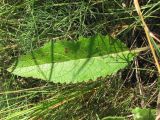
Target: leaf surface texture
x: 74, y: 61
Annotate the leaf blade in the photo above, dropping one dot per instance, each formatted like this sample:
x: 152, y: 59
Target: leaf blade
x: 88, y: 58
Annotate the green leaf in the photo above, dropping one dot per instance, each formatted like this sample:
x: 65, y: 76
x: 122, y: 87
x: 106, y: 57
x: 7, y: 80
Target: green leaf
x: 113, y: 118
x: 74, y: 61
x: 143, y: 114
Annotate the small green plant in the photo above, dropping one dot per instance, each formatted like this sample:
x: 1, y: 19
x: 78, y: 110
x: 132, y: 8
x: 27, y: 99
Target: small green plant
x: 143, y: 114
x: 110, y: 76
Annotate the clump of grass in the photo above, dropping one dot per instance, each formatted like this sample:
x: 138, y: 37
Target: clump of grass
x: 27, y: 24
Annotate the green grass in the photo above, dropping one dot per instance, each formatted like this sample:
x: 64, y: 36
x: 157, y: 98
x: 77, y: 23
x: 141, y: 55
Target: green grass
x: 28, y: 24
